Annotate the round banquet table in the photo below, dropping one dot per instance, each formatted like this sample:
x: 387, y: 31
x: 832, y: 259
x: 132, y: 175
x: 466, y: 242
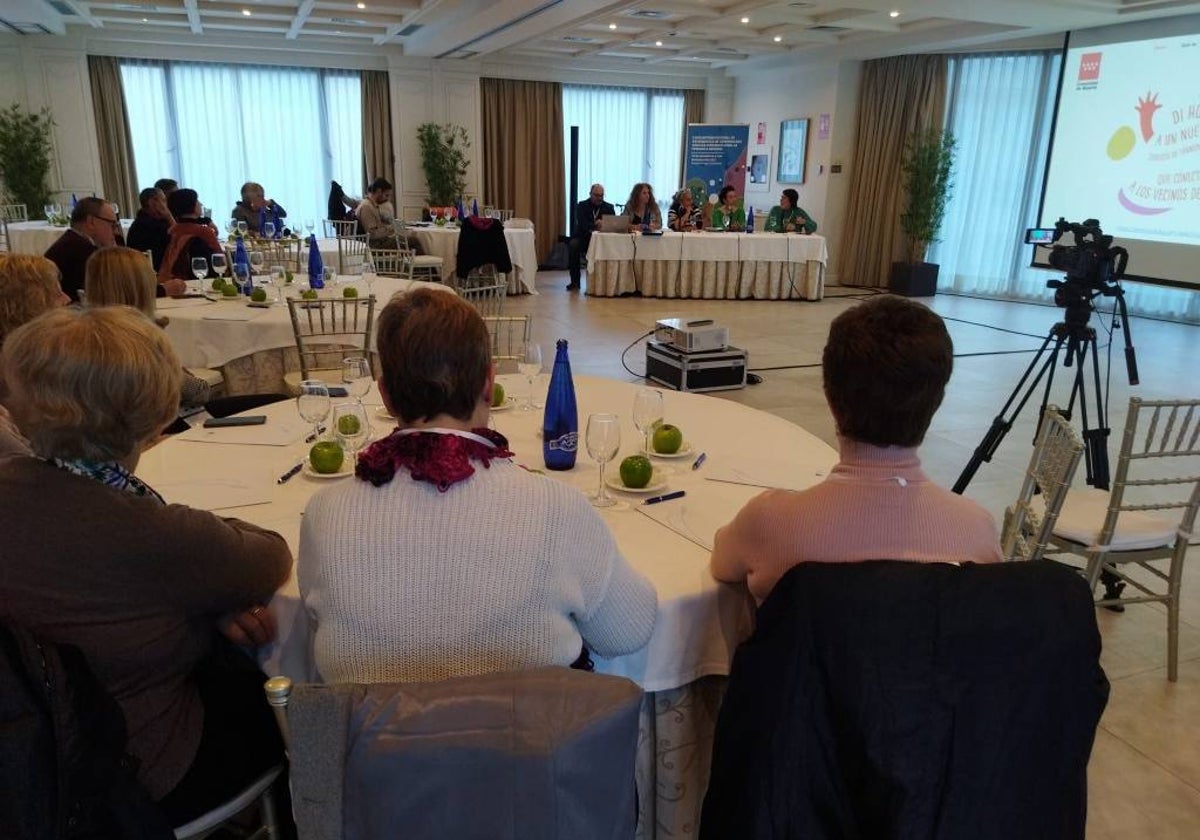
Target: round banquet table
x: 36, y: 237
x: 700, y: 622
x: 254, y: 347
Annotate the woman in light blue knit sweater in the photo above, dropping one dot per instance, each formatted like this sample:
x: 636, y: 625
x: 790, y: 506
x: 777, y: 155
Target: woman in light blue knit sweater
x: 443, y: 557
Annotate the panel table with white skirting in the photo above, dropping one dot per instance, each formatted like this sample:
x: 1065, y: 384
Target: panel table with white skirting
x: 36, y: 237
x: 253, y: 346
x: 700, y: 622
x: 758, y: 266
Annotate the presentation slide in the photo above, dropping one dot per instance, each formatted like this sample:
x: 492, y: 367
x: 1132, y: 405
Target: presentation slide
x: 1126, y: 149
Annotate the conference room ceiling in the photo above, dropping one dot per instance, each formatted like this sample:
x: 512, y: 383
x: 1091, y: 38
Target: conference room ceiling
x: 667, y: 34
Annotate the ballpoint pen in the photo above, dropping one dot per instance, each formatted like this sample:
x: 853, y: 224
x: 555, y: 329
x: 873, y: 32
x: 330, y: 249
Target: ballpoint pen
x: 665, y: 497
x: 287, y: 475
x: 312, y: 438
x: 700, y: 460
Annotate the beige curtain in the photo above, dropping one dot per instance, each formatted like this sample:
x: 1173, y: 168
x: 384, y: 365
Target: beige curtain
x: 522, y: 147
x: 897, y: 96
x: 378, y: 161
x: 693, y: 112
x: 117, y: 171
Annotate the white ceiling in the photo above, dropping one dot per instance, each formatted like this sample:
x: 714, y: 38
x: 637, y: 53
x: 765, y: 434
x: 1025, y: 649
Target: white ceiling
x: 664, y: 35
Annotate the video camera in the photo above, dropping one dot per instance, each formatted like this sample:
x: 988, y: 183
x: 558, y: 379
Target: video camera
x: 1092, y: 259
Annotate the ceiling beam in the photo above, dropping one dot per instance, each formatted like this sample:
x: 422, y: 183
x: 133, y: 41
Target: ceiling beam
x: 427, y: 6
x: 193, y: 15
x: 300, y: 19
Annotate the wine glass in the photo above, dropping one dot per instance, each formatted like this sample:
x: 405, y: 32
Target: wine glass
x: 356, y: 374
x: 368, y: 273
x: 268, y: 230
x: 48, y: 210
x: 241, y: 277
x: 313, y: 403
x: 647, y: 412
x: 309, y: 225
x: 351, y: 426
x: 231, y: 227
x: 220, y: 264
x: 242, y: 227
x: 530, y: 366
x: 278, y: 281
x: 603, y: 443
x: 199, y: 268
x: 256, y: 262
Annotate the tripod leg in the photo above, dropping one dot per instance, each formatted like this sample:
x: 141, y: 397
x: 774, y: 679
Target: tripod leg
x: 1000, y: 425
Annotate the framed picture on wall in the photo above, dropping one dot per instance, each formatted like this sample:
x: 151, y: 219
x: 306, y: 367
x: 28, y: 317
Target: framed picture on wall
x: 793, y: 147
x: 758, y: 169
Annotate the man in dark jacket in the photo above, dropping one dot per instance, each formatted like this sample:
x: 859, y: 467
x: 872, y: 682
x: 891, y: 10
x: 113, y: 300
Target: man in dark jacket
x: 587, y: 213
x: 151, y: 227
x: 94, y: 226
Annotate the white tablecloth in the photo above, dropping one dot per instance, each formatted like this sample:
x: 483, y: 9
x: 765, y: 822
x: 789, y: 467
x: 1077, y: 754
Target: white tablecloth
x: 762, y: 266
x: 209, y: 334
x: 443, y: 242
x: 36, y: 237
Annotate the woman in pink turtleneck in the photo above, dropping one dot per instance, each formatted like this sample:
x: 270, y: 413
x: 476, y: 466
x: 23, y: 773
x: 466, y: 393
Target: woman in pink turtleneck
x: 886, y: 365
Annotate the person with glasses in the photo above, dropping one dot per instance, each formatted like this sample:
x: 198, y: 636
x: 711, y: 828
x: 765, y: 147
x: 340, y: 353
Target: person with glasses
x: 587, y: 214
x: 94, y: 225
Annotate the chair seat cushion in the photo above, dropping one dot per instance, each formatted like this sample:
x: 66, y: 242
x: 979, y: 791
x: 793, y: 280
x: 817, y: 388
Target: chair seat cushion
x: 1082, y: 517
x: 424, y: 261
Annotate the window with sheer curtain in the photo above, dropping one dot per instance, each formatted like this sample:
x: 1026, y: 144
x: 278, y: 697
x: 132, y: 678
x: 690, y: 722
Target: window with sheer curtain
x: 213, y: 127
x: 626, y: 135
x: 999, y: 107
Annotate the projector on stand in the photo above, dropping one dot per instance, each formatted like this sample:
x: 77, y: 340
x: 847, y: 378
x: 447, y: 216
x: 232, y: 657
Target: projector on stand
x: 694, y: 355
x: 691, y: 336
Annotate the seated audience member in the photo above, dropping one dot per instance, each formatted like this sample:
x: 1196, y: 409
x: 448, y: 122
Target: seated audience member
x: 122, y: 277
x: 587, y: 214
x: 153, y: 594
x: 728, y: 213
x: 28, y: 287
x: 443, y: 557
x: 684, y: 214
x: 151, y: 227
x: 886, y: 365
x: 93, y: 225
x: 786, y: 217
x: 167, y: 185
x: 253, y: 201
x: 376, y: 214
x: 642, y: 209
x: 191, y: 237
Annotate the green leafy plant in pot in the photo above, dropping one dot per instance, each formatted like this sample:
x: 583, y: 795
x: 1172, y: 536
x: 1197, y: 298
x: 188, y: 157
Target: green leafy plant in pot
x: 25, y: 153
x: 444, y: 159
x: 927, y: 168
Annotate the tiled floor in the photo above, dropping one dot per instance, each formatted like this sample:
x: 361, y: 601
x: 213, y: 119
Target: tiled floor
x: 1145, y: 772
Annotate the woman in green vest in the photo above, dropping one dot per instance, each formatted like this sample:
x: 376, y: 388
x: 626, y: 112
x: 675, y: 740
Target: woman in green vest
x: 786, y: 217
x: 728, y: 214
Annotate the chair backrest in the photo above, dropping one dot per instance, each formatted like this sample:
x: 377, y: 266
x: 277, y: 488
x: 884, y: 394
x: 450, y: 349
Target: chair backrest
x: 392, y: 262
x: 544, y: 753
x: 1157, y: 463
x: 14, y: 213
x: 901, y: 699
x: 284, y: 252
x: 1028, y: 524
x: 352, y: 245
x: 508, y: 334
x: 484, y: 289
x: 328, y: 328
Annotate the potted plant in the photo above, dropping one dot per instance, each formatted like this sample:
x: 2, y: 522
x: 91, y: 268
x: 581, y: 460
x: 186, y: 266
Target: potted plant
x: 25, y: 149
x: 444, y: 159
x: 928, y: 165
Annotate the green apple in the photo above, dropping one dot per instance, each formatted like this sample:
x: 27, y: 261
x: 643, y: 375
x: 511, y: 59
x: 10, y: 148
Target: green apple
x: 636, y: 471
x: 348, y: 425
x: 497, y: 395
x: 326, y: 456
x: 309, y: 294
x: 350, y: 292
x: 259, y: 295
x: 667, y: 439
x: 218, y: 284
x: 229, y: 290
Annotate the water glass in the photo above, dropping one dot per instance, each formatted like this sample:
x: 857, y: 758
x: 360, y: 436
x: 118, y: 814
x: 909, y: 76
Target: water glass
x: 356, y: 375
x: 309, y: 224
x: 256, y: 262
x: 647, y: 412
x: 278, y: 281
x: 603, y: 440
x: 313, y: 403
x: 241, y: 277
x: 220, y: 264
x: 199, y: 268
x: 268, y: 230
x: 242, y: 227
x: 351, y: 426
x: 530, y: 366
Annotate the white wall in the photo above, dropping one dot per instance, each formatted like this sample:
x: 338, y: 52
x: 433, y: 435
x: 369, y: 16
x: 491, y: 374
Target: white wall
x: 53, y: 71
x: 806, y: 91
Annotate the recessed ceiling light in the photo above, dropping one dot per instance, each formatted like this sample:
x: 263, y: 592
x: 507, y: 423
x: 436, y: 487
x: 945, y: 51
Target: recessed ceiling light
x: 612, y: 26
x: 362, y: 5
x: 658, y: 43
x: 745, y: 20
x: 778, y: 38
x: 893, y: 14
x: 246, y: 12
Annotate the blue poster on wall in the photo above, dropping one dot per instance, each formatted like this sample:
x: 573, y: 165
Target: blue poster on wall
x: 715, y: 157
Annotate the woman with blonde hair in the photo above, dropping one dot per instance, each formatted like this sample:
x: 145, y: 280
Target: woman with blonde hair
x: 29, y: 286
x: 152, y: 594
x: 117, y: 276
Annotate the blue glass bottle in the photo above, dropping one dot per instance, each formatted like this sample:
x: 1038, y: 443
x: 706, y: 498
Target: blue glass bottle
x: 262, y: 219
x: 316, y: 266
x: 560, y: 425
x: 275, y: 220
x: 750, y: 221
x: 241, y: 268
